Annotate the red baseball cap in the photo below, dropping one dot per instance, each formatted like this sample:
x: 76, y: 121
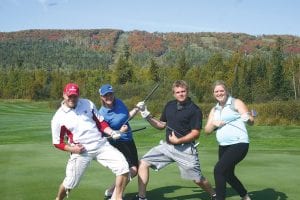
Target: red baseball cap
x: 71, y: 89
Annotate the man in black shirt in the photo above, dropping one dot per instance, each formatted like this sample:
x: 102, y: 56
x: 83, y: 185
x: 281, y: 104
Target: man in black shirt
x: 183, y: 122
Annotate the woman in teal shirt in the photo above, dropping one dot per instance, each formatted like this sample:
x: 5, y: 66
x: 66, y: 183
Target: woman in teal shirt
x: 228, y: 119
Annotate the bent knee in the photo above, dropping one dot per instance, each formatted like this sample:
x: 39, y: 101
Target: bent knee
x: 201, y: 181
x: 70, y: 184
x: 219, y: 169
x: 133, y: 171
x: 143, y: 164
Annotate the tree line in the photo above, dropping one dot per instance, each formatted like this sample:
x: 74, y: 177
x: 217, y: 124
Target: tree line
x: 255, y: 78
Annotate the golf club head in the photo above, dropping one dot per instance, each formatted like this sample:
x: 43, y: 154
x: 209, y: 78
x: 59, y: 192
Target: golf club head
x: 253, y: 113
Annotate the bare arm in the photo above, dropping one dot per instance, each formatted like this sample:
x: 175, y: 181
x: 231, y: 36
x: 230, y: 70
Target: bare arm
x: 133, y: 112
x: 209, y: 127
x: 243, y: 110
x: 193, y: 135
x: 190, y: 137
x: 211, y: 124
x: 156, y: 123
x: 77, y: 148
x: 109, y: 130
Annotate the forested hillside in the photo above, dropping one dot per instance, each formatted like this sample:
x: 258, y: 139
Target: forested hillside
x: 35, y: 64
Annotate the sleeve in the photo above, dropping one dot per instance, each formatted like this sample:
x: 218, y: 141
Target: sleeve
x: 163, y: 116
x: 124, y: 114
x: 57, y: 134
x: 99, y: 119
x: 196, y: 120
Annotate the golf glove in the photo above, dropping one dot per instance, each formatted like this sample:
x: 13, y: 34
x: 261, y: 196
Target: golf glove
x: 245, y: 117
x: 145, y: 113
x: 115, y: 134
x: 141, y: 105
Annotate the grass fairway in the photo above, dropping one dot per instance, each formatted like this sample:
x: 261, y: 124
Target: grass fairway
x: 31, y: 168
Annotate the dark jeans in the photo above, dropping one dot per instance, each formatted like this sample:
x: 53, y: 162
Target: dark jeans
x: 229, y: 157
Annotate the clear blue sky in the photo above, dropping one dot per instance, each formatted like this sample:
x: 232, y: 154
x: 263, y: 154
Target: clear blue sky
x: 255, y: 17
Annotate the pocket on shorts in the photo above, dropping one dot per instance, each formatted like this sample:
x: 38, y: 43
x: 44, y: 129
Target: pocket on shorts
x: 185, y: 148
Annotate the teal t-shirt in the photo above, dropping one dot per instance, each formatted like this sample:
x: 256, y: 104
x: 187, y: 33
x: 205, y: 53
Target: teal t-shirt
x: 234, y: 131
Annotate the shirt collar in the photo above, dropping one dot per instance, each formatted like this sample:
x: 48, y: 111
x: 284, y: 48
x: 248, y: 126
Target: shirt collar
x: 228, y: 102
x: 68, y: 109
x: 185, y: 102
x: 112, y: 108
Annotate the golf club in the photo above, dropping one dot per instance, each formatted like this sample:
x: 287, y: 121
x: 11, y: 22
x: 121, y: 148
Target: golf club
x: 147, y: 97
x: 150, y: 94
x: 132, y: 131
x: 253, y: 113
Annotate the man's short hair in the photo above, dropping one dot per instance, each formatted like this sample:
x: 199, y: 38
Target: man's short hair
x: 180, y: 83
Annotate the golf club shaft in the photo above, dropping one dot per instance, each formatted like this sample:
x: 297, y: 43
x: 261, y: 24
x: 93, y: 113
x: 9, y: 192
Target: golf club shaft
x: 132, y: 131
x: 138, y: 129
x: 151, y: 93
x: 147, y: 97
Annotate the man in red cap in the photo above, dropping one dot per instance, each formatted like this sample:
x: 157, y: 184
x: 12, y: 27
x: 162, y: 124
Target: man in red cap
x: 77, y: 120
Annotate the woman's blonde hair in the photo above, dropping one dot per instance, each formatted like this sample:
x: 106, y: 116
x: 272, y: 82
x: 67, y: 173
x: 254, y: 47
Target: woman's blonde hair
x: 220, y: 82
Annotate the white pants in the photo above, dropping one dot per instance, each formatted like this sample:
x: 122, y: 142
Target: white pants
x: 106, y: 155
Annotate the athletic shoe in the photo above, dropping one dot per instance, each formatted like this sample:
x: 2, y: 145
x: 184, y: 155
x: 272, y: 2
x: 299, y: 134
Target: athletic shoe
x: 107, y: 194
x: 213, y: 197
x: 246, y: 197
x: 110, y: 199
x: 139, y: 198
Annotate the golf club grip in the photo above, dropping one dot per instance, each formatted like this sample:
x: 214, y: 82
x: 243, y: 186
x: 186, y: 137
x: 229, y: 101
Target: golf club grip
x: 150, y: 94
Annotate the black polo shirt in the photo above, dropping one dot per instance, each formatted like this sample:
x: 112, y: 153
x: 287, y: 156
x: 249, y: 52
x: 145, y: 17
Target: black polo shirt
x: 181, y: 118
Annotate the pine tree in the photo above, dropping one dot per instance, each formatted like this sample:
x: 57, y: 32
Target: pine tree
x: 277, y: 79
x: 182, y: 66
x: 123, y: 72
x: 154, y: 73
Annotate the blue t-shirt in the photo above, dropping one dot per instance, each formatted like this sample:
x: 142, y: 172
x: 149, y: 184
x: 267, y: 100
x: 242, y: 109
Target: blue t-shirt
x: 116, y: 116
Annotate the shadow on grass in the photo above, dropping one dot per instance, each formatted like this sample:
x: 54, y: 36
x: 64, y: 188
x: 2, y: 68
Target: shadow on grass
x: 265, y: 194
x: 268, y: 193
x: 162, y: 192
x: 198, y: 193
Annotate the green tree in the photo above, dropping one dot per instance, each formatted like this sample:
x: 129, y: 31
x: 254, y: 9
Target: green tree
x: 235, y: 63
x: 261, y: 85
x: 277, y: 78
x: 56, y: 84
x: 182, y: 65
x: 123, y: 72
x: 40, y: 89
x: 292, y: 65
x: 154, y: 71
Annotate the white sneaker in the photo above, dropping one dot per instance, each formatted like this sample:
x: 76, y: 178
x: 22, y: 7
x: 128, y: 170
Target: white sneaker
x: 246, y: 197
x: 139, y: 198
x: 107, y: 193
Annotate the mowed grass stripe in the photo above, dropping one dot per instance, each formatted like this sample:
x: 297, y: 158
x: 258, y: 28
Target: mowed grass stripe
x: 24, y: 121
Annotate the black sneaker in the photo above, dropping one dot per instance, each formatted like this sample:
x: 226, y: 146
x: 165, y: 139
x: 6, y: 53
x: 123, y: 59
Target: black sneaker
x: 139, y: 198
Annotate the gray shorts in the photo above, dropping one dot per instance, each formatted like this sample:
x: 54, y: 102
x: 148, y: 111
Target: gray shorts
x: 185, y: 155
